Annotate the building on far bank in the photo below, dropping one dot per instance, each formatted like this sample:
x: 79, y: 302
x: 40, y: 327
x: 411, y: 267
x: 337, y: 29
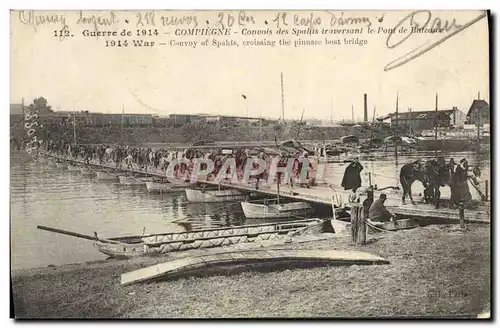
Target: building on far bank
x: 417, y: 121
x: 479, y: 112
x: 99, y: 119
x: 86, y: 118
x: 181, y: 119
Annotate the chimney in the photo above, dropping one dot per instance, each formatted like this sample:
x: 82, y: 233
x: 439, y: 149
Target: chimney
x: 366, y: 107
x: 478, y: 95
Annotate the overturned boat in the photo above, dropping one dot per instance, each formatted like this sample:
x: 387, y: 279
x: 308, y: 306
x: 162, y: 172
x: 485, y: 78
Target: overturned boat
x: 214, y: 195
x: 250, y: 259
x: 266, y: 210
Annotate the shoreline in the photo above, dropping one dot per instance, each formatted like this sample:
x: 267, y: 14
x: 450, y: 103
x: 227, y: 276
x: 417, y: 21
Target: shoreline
x: 429, y: 275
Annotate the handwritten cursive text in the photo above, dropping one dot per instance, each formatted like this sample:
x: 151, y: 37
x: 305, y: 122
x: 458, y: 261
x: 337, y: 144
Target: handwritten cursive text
x: 97, y: 20
x: 226, y: 20
x: 419, y: 22
x: 340, y: 20
x: 29, y: 17
x: 314, y: 19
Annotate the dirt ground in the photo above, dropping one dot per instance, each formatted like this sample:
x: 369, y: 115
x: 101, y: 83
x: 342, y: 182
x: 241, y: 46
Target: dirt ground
x: 435, y: 271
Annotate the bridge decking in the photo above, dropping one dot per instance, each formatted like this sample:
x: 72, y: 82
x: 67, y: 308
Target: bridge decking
x: 322, y: 194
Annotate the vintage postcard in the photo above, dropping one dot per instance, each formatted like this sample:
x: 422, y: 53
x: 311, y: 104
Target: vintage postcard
x: 250, y: 164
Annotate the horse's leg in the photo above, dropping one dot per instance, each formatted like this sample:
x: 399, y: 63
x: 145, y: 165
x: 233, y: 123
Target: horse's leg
x: 429, y: 194
x: 437, y: 196
x: 409, y: 192
x: 404, y: 184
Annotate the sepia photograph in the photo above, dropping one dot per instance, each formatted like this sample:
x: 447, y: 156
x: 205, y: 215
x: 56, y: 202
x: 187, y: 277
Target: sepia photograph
x: 250, y: 164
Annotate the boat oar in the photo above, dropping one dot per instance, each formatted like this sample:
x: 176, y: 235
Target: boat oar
x: 76, y: 234
x: 483, y: 197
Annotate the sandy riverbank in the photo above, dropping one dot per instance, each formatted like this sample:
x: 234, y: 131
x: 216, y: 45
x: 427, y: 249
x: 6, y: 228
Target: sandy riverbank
x: 434, y: 271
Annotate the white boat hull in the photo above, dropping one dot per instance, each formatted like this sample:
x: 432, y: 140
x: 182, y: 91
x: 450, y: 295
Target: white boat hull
x: 158, y: 187
x: 262, y: 211
x: 214, y: 196
x: 340, y: 226
x: 131, y: 181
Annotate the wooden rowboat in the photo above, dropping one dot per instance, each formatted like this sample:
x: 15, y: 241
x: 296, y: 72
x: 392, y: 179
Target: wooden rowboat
x: 344, y: 225
x: 286, y: 210
x: 401, y: 224
x: 214, y: 196
x: 159, y: 187
x: 204, y: 238
x: 132, y: 246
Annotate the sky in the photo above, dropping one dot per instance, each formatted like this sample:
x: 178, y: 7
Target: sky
x: 326, y: 82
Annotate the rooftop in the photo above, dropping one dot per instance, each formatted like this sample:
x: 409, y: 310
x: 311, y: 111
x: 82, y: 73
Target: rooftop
x: 478, y: 104
x: 419, y: 115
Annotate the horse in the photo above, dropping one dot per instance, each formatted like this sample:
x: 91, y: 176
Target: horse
x: 433, y: 174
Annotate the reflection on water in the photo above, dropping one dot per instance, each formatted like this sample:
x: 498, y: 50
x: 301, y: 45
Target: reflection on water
x: 42, y: 194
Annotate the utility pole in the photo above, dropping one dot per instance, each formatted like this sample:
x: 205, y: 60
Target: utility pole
x: 436, y: 126
x: 478, y: 119
x: 409, y: 117
x: 397, y: 127
x: 260, y: 127
x: 365, y: 104
x: 121, y: 126
x: 74, y: 127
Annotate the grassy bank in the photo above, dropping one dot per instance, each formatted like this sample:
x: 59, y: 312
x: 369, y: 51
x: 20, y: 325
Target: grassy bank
x: 434, y: 271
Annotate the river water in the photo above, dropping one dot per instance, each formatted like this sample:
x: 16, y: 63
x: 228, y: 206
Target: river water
x: 42, y: 194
